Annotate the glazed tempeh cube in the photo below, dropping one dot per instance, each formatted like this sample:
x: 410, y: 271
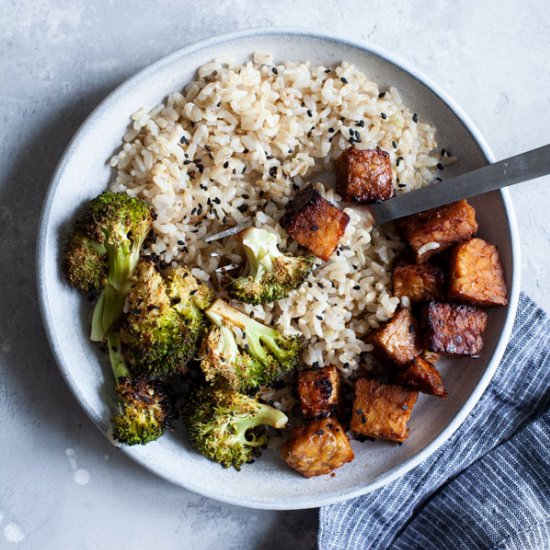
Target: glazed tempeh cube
x: 422, y: 376
x: 364, y: 176
x: 382, y: 410
x: 420, y: 282
x: 317, y: 448
x: 397, y: 341
x: 319, y: 391
x: 433, y: 231
x: 476, y: 275
x: 453, y: 329
x: 314, y: 222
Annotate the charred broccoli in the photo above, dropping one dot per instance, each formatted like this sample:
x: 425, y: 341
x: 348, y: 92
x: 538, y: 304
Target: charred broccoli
x: 165, y: 320
x: 269, y: 275
x: 219, y: 424
x: 145, y: 407
x: 264, y: 356
x: 103, y: 250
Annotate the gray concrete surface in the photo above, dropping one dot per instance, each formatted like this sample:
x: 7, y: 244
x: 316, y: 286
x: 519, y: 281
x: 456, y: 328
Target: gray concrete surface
x: 58, y: 59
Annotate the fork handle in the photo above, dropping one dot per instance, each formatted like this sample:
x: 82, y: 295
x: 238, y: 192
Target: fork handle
x: 526, y: 166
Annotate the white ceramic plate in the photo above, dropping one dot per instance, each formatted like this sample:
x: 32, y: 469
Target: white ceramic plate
x: 83, y: 173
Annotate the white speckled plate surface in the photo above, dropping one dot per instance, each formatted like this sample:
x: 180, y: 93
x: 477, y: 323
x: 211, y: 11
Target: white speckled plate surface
x: 83, y: 173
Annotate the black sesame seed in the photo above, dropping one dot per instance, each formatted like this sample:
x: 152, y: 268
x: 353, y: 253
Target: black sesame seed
x: 363, y: 419
x: 245, y: 196
x: 399, y: 159
x: 245, y: 151
x: 217, y: 200
x: 184, y: 140
x: 193, y: 292
x: 320, y: 432
x: 208, y: 201
x: 314, y: 227
x: 330, y: 130
x: 344, y: 80
x: 320, y: 285
x: 243, y: 208
x: 394, y: 144
x: 440, y: 166
x: 381, y: 95
x: 226, y: 164
x: 316, y: 365
x: 356, y: 287
x: 181, y: 243
x: 262, y: 193
x: 269, y: 157
x: 401, y: 185
x: 415, y: 117
x: 273, y: 171
x: 384, y: 115
x: 405, y: 407
x: 320, y: 317
x: 346, y: 365
x: 309, y: 113
x: 274, y: 70
x: 361, y: 124
x: 193, y: 212
x: 351, y: 132
x: 186, y: 162
x: 328, y: 70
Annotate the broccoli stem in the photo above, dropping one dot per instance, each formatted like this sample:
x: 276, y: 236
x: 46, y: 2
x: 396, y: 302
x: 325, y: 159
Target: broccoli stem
x: 260, y: 247
x: 269, y: 416
x: 255, y: 332
x: 107, y: 311
x: 123, y: 260
x: 120, y: 370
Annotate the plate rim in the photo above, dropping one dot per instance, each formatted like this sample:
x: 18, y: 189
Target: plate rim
x: 396, y: 472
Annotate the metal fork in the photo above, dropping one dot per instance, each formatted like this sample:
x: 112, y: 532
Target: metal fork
x: 526, y: 166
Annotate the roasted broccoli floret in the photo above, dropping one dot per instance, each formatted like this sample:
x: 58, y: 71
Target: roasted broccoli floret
x: 164, y: 323
x: 145, y: 407
x: 263, y: 356
x: 103, y: 250
x: 219, y: 424
x: 224, y: 362
x: 269, y: 274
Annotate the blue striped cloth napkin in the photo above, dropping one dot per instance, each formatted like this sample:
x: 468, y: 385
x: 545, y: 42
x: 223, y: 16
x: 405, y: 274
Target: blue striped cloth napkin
x: 488, y: 486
